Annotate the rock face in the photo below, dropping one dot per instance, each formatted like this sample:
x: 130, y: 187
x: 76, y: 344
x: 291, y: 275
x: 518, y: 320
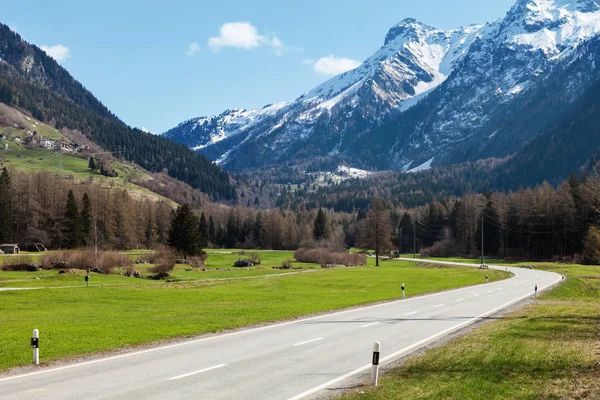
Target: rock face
x: 426, y: 98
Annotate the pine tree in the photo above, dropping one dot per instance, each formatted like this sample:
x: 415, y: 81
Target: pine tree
x: 6, y: 208
x: 184, y: 235
x: 212, y: 230
x: 92, y: 164
x: 320, y: 229
x: 204, y: 234
x: 86, y: 218
x: 72, y: 223
x: 491, y: 230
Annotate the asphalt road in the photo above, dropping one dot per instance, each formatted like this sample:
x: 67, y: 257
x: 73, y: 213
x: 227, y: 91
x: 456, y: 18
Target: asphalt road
x: 291, y: 360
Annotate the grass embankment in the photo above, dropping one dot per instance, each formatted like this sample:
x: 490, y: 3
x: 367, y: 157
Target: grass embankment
x: 546, y: 350
x: 83, y: 320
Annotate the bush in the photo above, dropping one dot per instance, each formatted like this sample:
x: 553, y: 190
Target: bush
x: 198, y: 261
x: 444, y: 248
x: 109, y: 261
x: 287, y: 264
x: 326, y: 257
x: 255, y: 257
x: 164, y: 261
x: 85, y: 260
x: 19, y: 264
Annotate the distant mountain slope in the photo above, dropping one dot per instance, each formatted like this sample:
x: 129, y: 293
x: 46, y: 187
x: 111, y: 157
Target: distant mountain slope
x: 430, y: 98
x: 31, y: 80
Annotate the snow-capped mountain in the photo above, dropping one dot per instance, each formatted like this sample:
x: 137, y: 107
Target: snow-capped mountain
x: 427, y: 97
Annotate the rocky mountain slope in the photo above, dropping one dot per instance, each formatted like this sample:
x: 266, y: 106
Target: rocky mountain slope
x: 426, y: 98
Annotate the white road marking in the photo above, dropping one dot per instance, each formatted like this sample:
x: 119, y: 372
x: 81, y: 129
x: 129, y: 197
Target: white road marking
x: 308, y: 341
x: 411, y: 313
x: 411, y: 347
x: 368, y: 325
x: 477, y: 295
x: 439, y: 305
x: 490, y: 291
x: 460, y: 299
x: 196, y: 372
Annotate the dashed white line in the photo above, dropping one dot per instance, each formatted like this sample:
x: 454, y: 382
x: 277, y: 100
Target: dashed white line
x: 460, y: 299
x: 439, y: 305
x: 477, y: 295
x: 308, y: 341
x: 196, y: 372
x: 411, y: 313
x: 368, y: 325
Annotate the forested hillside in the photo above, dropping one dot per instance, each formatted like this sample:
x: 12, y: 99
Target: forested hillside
x: 31, y: 80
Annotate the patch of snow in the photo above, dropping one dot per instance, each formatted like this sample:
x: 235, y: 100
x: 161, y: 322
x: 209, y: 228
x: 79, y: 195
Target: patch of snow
x: 423, y: 167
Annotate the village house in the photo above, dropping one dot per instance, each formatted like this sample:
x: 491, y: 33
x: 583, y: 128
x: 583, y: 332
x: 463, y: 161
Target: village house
x: 47, y: 143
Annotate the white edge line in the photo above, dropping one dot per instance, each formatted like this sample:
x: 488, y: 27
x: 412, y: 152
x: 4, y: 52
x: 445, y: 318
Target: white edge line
x: 252, y: 329
x: 415, y: 345
x: 439, y: 305
x: 368, y: 325
x: 308, y: 341
x: 197, y: 372
x: 411, y: 313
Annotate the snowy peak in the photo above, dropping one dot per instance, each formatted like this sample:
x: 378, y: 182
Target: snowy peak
x: 408, y: 29
x: 551, y: 25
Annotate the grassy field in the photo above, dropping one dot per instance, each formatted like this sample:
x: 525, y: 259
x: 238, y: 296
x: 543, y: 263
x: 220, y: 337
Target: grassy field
x: 546, y: 350
x: 75, y: 321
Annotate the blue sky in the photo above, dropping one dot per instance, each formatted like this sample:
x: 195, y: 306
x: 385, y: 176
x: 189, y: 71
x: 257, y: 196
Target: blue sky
x: 157, y: 63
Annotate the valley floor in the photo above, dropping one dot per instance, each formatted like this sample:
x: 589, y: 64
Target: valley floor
x: 117, y: 312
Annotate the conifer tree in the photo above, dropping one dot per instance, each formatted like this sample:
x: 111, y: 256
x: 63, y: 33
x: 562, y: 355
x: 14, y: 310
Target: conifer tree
x: 320, y: 229
x: 184, y: 235
x: 6, y: 211
x: 204, y: 234
x: 72, y: 223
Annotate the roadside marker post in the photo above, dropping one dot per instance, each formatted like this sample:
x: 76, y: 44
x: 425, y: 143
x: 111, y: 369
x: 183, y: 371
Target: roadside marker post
x: 486, y: 279
x: 403, y: 292
x: 375, y: 368
x: 87, y: 279
x: 536, y: 290
x: 35, y: 343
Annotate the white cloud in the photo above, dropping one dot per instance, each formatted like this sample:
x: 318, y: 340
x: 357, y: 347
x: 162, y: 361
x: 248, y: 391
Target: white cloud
x: 193, y: 48
x: 244, y: 35
x: 332, y: 65
x: 59, y: 52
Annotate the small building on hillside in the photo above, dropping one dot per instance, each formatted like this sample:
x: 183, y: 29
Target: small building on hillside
x: 10, y: 248
x: 47, y: 143
x: 66, y: 147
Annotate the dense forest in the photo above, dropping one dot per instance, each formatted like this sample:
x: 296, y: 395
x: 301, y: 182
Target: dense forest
x: 60, y: 212
x: 33, y: 81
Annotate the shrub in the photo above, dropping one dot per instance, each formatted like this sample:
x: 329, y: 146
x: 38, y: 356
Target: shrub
x: 287, y: 264
x: 107, y: 262
x: 326, y: 257
x: 255, y: 257
x: 444, y: 248
x: 164, y: 261
x: 19, y: 264
x: 198, y: 261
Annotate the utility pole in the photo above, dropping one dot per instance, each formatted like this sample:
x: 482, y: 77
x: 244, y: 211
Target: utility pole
x: 415, y: 240
x: 95, y: 244
x: 482, y: 225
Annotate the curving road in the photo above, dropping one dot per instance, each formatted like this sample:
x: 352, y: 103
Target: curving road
x: 291, y: 360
